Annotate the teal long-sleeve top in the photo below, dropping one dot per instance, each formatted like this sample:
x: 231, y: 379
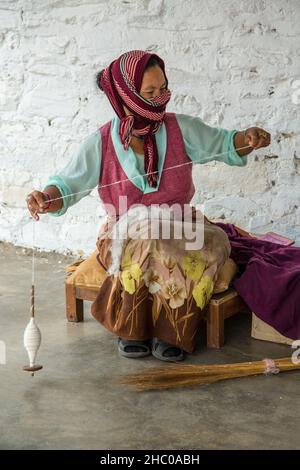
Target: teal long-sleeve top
x: 81, y: 174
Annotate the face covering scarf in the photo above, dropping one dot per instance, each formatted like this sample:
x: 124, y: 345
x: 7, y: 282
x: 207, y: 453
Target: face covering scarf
x: 121, y: 82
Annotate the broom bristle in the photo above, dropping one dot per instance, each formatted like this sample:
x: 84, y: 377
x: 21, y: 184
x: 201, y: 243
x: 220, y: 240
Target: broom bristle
x: 190, y: 375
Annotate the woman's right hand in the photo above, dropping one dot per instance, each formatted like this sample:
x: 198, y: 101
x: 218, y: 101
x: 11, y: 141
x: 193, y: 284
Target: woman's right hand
x: 36, y: 203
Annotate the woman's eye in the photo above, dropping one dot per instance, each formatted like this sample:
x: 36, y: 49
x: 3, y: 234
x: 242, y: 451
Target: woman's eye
x: 149, y: 94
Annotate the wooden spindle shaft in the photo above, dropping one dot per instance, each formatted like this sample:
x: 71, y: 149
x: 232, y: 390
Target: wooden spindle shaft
x: 32, y: 301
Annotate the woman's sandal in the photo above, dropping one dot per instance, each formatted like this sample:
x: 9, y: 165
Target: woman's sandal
x: 160, y: 348
x: 133, y: 348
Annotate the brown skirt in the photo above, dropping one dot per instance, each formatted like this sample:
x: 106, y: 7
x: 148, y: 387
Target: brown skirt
x: 162, y: 288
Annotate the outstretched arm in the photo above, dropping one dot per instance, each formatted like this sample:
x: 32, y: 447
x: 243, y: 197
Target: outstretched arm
x: 204, y: 143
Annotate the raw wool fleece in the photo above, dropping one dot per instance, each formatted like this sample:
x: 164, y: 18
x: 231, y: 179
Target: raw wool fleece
x: 131, y: 220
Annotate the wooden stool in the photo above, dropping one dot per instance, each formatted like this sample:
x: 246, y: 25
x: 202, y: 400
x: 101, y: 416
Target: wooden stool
x: 74, y: 300
x: 221, y: 306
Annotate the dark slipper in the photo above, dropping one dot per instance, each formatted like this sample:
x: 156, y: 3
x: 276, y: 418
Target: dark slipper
x: 166, y: 351
x: 133, y: 348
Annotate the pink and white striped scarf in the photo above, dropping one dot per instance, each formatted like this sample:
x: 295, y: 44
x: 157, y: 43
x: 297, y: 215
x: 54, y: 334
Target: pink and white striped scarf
x: 121, y: 82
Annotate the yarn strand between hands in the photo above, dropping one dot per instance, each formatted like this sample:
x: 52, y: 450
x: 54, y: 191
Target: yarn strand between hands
x: 146, y: 174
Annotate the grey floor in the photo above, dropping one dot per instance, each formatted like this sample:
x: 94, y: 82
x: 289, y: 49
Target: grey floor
x: 75, y: 402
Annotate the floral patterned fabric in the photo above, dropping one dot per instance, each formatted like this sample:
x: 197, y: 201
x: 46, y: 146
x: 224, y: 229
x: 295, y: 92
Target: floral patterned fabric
x: 162, y: 288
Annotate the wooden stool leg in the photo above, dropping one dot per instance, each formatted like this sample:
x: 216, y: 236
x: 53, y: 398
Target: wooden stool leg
x: 215, y: 326
x: 74, y: 306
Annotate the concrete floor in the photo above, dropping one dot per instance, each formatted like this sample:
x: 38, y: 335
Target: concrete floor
x: 75, y: 402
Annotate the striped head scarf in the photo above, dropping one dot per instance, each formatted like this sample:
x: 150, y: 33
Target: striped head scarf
x: 121, y: 82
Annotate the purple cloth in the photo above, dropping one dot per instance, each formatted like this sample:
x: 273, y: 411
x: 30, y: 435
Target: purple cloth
x: 269, y: 281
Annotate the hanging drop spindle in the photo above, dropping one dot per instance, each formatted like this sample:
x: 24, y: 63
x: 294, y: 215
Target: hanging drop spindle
x: 32, y: 333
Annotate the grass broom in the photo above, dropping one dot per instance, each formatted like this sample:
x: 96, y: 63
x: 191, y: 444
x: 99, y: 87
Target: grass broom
x: 190, y: 375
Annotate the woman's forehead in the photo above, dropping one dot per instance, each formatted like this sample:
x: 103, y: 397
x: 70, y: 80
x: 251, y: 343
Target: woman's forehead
x: 153, y: 76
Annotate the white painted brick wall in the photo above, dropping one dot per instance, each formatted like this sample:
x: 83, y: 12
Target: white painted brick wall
x: 234, y: 63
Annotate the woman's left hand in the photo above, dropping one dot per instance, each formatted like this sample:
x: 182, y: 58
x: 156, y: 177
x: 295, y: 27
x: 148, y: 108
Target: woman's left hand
x: 257, y: 137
